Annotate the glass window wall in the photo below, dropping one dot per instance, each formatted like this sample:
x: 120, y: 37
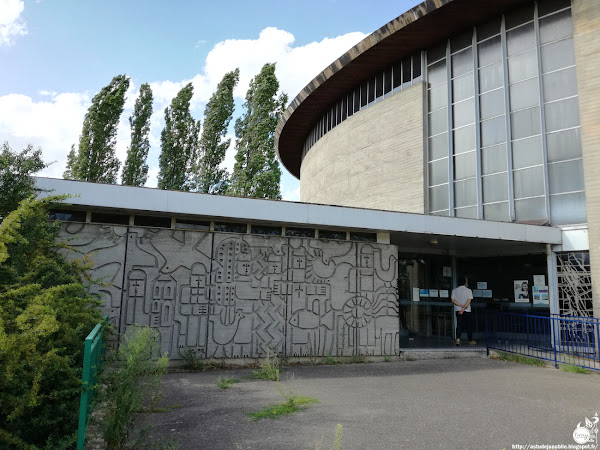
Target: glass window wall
x: 511, y: 104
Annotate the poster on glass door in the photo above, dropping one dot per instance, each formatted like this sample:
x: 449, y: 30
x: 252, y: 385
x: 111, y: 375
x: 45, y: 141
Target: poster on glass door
x: 521, y: 289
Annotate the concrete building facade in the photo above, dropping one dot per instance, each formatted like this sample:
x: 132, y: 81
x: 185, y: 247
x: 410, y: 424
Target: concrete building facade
x: 506, y: 128
x: 455, y: 140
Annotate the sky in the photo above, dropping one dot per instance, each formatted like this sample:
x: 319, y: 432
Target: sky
x: 55, y: 55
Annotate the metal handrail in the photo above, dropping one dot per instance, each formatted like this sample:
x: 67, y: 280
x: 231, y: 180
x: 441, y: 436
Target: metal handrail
x: 560, y: 339
x: 93, y: 358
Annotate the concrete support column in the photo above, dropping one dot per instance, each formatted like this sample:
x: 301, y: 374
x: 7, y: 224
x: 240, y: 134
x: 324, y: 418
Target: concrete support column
x: 552, y: 280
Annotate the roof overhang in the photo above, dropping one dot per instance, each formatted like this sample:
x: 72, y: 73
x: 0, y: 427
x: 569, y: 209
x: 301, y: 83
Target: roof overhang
x: 417, y: 29
x: 406, y: 229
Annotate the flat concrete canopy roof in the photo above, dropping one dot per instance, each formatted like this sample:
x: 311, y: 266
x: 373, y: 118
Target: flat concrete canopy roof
x: 417, y: 29
x: 414, y: 231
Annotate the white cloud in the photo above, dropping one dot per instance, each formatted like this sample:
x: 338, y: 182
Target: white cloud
x: 292, y: 194
x: 11, y: 24
x: 54, y: 123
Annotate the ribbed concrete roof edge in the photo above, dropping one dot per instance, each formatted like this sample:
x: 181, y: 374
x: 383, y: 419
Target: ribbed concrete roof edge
x: 363, y: 46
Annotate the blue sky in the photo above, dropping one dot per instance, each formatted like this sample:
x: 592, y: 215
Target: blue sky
x: 56, y: 54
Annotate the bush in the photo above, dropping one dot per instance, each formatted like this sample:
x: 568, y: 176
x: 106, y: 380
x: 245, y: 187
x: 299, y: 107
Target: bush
x: 135, y: 379
x: 45, y: 315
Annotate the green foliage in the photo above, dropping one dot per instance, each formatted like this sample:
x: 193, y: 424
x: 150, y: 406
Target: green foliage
x: 357, y: 359
x: 574, y: 369
x: 135, y: 170
x: 337, y: 443
x: 293, y: 403
x: 45, y: 315
x: 256, y: 172
x: 520, y: 359
x: 210, y: 178
x: 330, y: 360
x: 136, y: 377
x: 386, y: 359
x: 268, y: 370
x: 16, y: 170
x: 225, y: 383
x: 192, y: 362
x: 96, y: 160
x: 179, y: 143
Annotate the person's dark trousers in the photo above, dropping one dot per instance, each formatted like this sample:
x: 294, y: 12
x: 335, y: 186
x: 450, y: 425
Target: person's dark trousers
x: 464, y: 322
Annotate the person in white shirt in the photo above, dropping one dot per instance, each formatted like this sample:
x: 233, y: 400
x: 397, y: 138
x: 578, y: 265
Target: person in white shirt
x: 461, y: 297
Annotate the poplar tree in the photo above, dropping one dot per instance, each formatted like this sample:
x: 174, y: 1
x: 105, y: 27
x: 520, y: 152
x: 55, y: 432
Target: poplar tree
x: 179, y: 143
x: 256, y: 172
x: 135, y: 170
x: 210, y: 178
x: 96, y: 160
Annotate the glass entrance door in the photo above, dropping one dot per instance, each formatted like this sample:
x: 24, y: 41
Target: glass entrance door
x: 426, y: 312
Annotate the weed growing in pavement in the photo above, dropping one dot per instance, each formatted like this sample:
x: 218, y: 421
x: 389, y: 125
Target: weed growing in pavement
x: 225, y: 383
x: 519, y: 359
x: 293, y: 403
x: 330, y: 360
x: 136, y: 376
x: 268, y: 369
x: 574, y: 369
x: 337, y: 443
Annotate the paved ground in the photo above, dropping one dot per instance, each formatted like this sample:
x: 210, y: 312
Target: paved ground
x: 469, y: 403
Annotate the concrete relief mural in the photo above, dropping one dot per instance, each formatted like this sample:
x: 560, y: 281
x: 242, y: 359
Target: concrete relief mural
x: 166, y: 287
x: 225, y: 295
x: 105, y: 245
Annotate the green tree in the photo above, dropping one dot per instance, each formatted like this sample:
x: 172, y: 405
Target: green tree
x: 71, y: 169
x: 45, y: 315
x: 16, y: 181
x: 210, y: 178
x: 135, y: 170
x: 96, y: 160
x: 179, y: 143
x: 256, y: 172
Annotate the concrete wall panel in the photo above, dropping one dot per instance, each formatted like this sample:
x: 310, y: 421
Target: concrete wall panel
x: 374, y: 159
x: 586, y: 20
x: 105, y: 246
x: 222, y: 295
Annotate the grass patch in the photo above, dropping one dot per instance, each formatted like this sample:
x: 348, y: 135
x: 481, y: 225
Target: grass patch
x: 520, y: 359
x: 337, y: 443
x: 386, y: 359
x: 331, y: 361
x: 574, y: 369
x: 268, y: 369
x: 357, y: 359
x: 225, y: 383
x: 291, y: 406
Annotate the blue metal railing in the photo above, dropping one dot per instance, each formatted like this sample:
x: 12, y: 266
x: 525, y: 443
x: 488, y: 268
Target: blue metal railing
x: 561, y: 339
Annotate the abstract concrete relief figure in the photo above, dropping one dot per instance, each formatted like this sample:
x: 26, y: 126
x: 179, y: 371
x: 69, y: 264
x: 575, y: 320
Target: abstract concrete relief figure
x: 247, y: 319
x: 105, y: 246
x: 174, y: 266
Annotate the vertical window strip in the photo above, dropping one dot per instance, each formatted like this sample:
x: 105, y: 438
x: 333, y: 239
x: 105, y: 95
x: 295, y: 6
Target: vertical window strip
x: 475, y: 53
x: 450, y: 128
x: 511, y: 200
x: 542, y: 110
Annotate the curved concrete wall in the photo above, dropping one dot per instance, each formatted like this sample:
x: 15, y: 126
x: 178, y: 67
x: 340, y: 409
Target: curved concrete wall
x: 374, y: 159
